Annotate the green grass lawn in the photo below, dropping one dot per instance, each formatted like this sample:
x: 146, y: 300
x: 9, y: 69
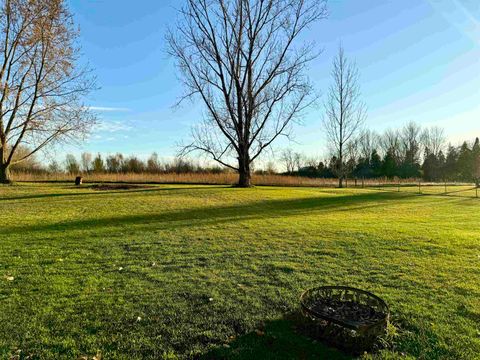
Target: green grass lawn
x: 216, y: 272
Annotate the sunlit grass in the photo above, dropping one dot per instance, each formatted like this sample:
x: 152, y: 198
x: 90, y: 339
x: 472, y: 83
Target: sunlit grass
x: 193, y: 271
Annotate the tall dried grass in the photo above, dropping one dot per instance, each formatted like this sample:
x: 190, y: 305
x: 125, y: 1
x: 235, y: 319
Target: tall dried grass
x: 204, y: 178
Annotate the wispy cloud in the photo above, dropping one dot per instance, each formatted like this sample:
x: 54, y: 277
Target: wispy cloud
x: 109, y: 109
x: 112, y: 126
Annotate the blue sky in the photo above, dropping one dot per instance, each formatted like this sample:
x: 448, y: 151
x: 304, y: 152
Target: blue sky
x: 419, y: 61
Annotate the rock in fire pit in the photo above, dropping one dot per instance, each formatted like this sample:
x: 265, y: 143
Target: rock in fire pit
x: 346, y: 317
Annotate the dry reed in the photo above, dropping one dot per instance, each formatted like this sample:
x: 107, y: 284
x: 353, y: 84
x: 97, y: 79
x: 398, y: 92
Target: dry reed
x: 227, y: 178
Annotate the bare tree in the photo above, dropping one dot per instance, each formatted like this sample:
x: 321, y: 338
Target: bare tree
x: 41, y: 87
x: 239, y: 57
x: 433, y: 140
x: 71, y: 164
x: 368, y: 142
x: 345, y: 111
x: 311, y: 162
x: 86, y: 159
x: 30, y: 164
x: 390, y: 142
x: 114, y: 163
x: 351, y: 155
x: 290, y: 159
x: 154, y: 165
x: 54, y: 167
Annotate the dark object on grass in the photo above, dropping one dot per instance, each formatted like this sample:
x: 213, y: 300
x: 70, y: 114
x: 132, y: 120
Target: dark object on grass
x: 349, y: 318
x: 78, y: 180
x: 106, y: 187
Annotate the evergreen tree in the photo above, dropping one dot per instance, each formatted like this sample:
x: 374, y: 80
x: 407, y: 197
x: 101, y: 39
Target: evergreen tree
x: 389, y: 165
x: 410, y: 167
x: 375, y: 164
x: 431, y: 167
x: 363, y: 170
x: 441, y: 164
x: 476, y: 161
x: 465, y: 162
x: 451, y: 166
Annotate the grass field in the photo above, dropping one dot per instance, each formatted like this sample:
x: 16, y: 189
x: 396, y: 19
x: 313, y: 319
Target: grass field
x: 216, y: 272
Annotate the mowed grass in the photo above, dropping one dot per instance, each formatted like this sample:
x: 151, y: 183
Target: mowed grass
x: 216, y: 272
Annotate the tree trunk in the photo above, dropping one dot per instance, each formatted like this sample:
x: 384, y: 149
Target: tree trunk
x: 5, y: 174
x: 245, y: 178
x: 340, y: 166
x: 4, y: 164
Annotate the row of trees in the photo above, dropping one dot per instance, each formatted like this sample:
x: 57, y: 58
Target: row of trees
x: 118, y: 163
x: 410, y: 152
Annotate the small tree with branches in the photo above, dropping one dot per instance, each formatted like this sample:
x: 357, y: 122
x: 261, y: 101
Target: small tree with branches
x: 41, y: 87
x: 239, y: 58
x: 345, y: 111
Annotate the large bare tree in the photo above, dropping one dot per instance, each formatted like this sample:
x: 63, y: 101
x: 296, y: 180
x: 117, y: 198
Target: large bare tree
x: 433, y: 140
x: 41, y: 86
x: 345, y: 111
x: 241, y: 59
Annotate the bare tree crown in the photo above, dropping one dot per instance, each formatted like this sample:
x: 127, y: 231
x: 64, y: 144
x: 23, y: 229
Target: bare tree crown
x: 345, y: 111
x: 239, y: 57
x: 41, y: 85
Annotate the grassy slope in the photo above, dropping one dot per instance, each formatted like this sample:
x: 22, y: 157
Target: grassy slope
x: 203, y: 266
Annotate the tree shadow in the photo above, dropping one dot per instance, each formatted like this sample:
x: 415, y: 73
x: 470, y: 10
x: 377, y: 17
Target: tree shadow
x: 451, y: 193
x: 205, y: 216
x: 278, y: 339
x: 90, y: 192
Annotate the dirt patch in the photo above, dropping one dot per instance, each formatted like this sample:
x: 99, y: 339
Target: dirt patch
x: 107, y: 187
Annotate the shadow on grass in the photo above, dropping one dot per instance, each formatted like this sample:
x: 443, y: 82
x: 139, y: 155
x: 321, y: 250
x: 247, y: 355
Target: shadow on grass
x: 90, y: 192
x: 205, y: 216
x: 277, y: 339
x: 459, y: 191
x: 414, y: 191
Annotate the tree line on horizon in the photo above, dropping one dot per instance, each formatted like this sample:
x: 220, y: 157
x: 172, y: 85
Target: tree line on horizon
x: 406, y: 153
